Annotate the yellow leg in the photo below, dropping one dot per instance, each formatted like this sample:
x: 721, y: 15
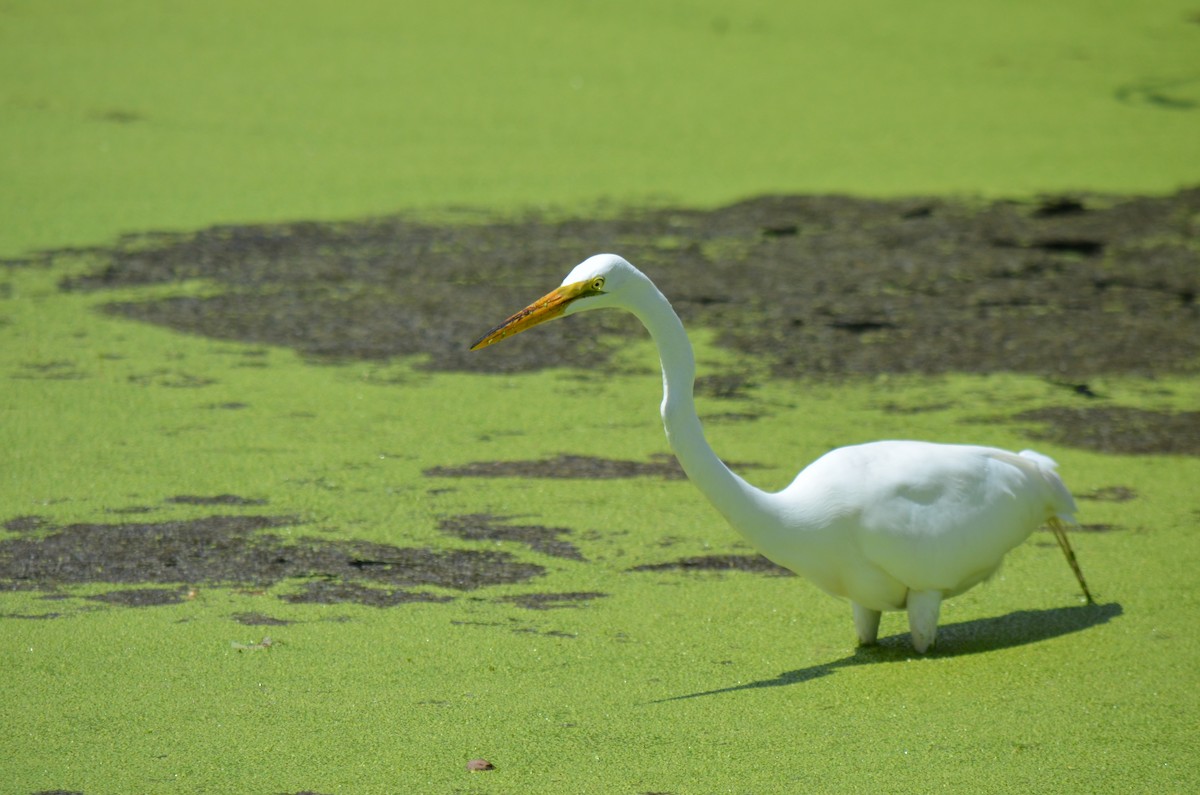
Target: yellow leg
x: 1059, y: 527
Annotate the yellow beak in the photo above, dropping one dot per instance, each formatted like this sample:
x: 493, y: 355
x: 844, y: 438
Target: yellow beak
x: 548, y: 307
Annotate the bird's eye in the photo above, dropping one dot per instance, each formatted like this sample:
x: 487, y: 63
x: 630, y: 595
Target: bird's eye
x: 598, y: 283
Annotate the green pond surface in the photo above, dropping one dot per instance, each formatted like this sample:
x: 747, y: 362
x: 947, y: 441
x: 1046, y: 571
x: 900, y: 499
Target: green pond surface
x: 266, y: 527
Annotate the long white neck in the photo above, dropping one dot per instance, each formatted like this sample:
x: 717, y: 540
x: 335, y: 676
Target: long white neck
x: 737, y: 500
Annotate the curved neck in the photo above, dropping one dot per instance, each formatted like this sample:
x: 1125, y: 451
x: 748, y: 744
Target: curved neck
x: 736, y: 499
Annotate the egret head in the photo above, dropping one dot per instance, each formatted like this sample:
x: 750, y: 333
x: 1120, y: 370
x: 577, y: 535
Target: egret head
x: 600, y: 281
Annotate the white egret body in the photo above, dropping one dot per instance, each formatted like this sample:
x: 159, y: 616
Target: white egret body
x: 895, y: 525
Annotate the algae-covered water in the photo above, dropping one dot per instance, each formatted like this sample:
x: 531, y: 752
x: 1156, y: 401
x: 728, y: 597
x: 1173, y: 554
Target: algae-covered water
x: 267, y: 526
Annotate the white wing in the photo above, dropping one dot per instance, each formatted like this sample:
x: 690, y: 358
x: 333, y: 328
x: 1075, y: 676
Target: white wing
x: 922, y: 516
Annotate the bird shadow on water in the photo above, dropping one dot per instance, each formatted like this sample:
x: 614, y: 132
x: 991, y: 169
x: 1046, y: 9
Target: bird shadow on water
x: 953, y: 640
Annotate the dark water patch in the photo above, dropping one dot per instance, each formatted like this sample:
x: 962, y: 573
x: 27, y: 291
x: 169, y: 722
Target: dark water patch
x: 751, y: 563
x: 171, y: 379
x: 896, y: 408
x: 860, y: 326
x: 919, y: 211
x: 1110, y: 494
x: 235, y: 550
x: 254, y: 619
x: 31, y: 616
x: 1082, y: 390
x: 483, y: 527
x: 142, y: 597
x: 209, y: 549
x: 1085, y: 284
x: 27, y: 524
x: 333, y: 592
x: 1076, y: 246
x: 1083, y: 248
x: 551, y: 601
x: 1095, y: 528
x: 1118, y: 429
x: 49, y: 371
x: 734, y: 416
x: 1054, y: 206
x: 117, y: 116
x: 217, y: 499
x: 565, y: 466
x: 1175, y: 94
x: 731, y: 386
x: 131, y: 510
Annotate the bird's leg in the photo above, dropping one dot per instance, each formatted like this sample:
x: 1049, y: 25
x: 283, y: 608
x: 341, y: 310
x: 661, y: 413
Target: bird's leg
x: 923, y: 607
x: 1060, y: 534
x: 867, y: 623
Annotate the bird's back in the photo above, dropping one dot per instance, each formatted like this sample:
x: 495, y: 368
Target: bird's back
x: 903, y: 515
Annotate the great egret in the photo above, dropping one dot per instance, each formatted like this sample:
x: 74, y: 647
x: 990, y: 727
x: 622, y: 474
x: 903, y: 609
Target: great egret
x: 894, y: 525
